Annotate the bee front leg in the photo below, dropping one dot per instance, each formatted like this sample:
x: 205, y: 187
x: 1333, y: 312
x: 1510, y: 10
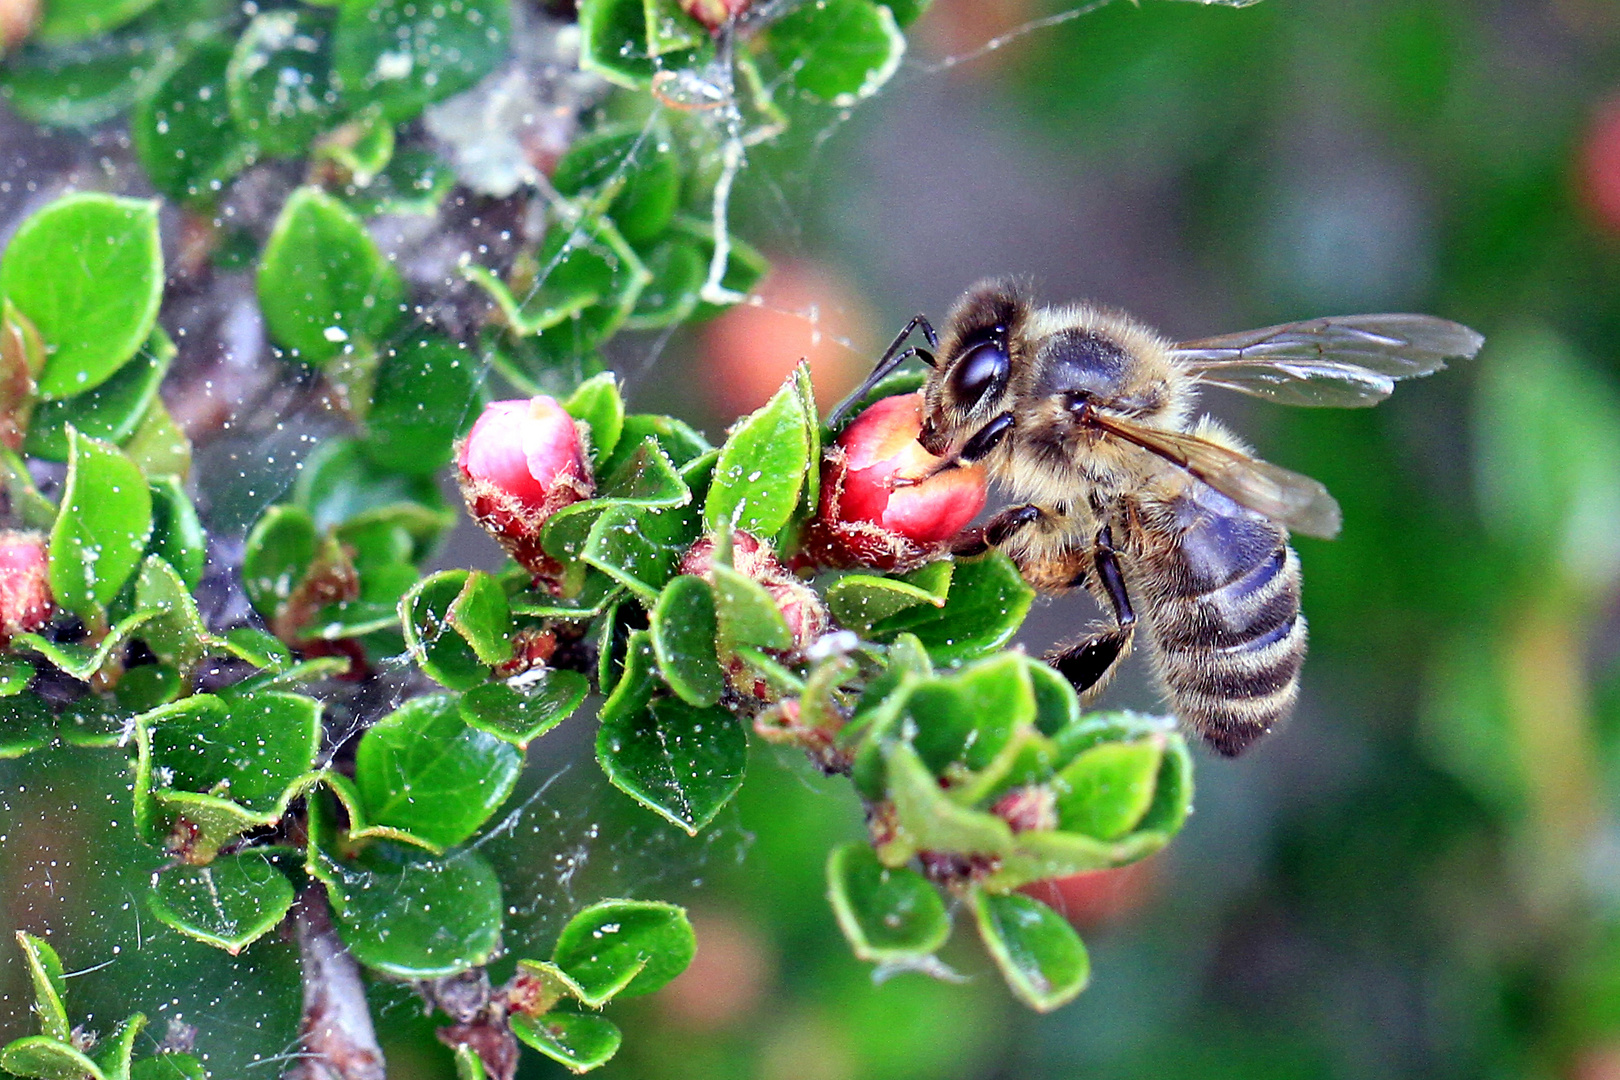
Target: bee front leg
x: 986, y: 439
x: 996, y: 531
x: 1089, y: 662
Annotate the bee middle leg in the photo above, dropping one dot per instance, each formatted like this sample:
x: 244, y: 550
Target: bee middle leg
x: 1088, y: 662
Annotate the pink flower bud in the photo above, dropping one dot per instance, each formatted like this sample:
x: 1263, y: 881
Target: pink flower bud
x: 1599, y: 165
x: 521, y: 463
x: 715, y: 13
x: 25, y: 584
x: 866, y: 518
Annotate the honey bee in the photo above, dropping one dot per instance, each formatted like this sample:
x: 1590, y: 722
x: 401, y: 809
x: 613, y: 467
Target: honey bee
x: 1086, y: 416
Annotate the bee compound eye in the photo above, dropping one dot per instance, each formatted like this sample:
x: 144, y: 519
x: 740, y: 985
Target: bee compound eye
x: 981, y: 368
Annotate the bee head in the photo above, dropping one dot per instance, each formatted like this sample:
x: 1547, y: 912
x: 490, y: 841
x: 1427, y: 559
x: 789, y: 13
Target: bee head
x: 978, y: 351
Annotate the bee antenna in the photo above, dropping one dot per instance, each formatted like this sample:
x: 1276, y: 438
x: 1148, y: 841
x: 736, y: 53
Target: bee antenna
x: 892, y: 358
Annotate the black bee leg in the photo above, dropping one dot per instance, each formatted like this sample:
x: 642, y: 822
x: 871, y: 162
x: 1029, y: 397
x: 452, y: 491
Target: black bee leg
x: 997, y: 530
x: 892, y: 358
x: 1088, y: 662
x: 978, y: 447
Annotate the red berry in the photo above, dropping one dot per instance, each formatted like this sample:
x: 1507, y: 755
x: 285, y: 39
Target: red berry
x: 714, y: 13
x: 522, y: 462
x: 867, y: 518
x: 25, y: 584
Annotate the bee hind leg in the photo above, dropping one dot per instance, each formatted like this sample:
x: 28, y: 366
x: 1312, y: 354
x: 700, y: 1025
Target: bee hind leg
x: 1089, y: 662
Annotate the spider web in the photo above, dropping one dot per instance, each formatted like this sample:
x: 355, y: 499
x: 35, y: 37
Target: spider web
x: 72, y: 868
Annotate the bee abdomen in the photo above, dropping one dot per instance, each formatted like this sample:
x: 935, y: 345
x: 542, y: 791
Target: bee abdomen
x: 1230, y: 656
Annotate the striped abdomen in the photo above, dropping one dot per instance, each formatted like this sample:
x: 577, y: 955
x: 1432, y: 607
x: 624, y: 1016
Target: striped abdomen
x: 1223, y: 611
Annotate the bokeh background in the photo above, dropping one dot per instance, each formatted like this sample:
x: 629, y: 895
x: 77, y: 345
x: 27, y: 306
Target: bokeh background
x: 1420, y: 877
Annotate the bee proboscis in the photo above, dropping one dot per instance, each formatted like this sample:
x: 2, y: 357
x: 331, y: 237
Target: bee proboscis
x: 1086, y: 417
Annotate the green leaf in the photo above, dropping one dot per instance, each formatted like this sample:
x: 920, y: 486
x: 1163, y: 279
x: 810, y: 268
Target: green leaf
x: 987, y: 603
x: 679, y: 442
x: 415, y: 182
x: 678, y: 270
x: 277, y: 555
x: 597, y: 402
x: 907, y: 11
x: 761, y: 469
x: 635, y: 167
x: 683, y: 635
x: 158, y: 445
x: 34, y: 510
x: 669, y: 29
x: 48, y: 1059
x: 967, y: 719
x: 50, y: 986
x: 469, y: 1066
x: 1039, y: 954
x: 887, y: 914
x: 404, y: 56
x: 480, y: 615
x: 346, y: 491
x: 412, y: 916
x: 83, y: 661
x: 860, y: 601
x: 682, y: 762
x: 324, y: 287
x: 613, y: 42
x: 580, y: 1041
x: 520, y: 714
x: 258, y: 648
x: 746, y: 613
x: 581, y: 265
x: 595, y: 594
x: 75, y: 20
x: 109, y: 412
x: 60, y: 266
x: 183, y: 132
x: 745, y: 264
x: 434, y: 642
x: 422, y: 770
x: 25, y: 724
x: 102, y: 528
x: 839, y: 51
x: 1106, y: 790
x: 640, y: 548
x: 177, y: 533
x: 147, y: 686
x: 120, y: 1047
x: 229, y: 904
x: 624, y: 948
x: 168, y: 1066
x: 176, y: 633
x: 15, y: 675
x: 426, y: 394
x: 278, y: 80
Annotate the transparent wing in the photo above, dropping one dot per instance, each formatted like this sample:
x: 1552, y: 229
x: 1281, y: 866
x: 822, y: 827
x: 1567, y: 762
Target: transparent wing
x: 1349, y: 361
x: 1293, y: 501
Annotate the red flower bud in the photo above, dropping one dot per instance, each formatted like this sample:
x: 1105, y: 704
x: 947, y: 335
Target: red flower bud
x: 25, y: 583
x: 1600, y: 165
x: 866, y: 518
x: 521, y: 463
x: 715, y: 13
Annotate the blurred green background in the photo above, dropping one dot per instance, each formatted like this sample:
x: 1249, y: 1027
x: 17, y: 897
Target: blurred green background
x: 1420, y: 877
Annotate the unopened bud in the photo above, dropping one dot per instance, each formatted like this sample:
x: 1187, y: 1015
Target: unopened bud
x: 801, y: 608
x: 714, y: 14
x: 876, y: 508
x: 522, y: 462
x: 25, y: 583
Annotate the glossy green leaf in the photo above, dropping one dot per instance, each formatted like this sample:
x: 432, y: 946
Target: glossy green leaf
x: 50, y: 987
x: 632, y: 165
x: 679, y: 441
x: 26, y: 724
x: 414, y: 182
x: 15, y: 675
x: 168, y: 1066
x: 258, y: 648
x: 183, y: 132
x: 176, y: 634
x: 682, y: 762
x: 640, y: 548
x: 413, y: 916
x: 75, y: 20
x: 404, y: 56
x: 433, y: 640
x: 887, y: 914
x: 683, y: 636
x: 158, y: 445
x: 480, y: 615
x: 839, y: 51
x: 521, y: 713
x: 102, y: 528
x: 745, y: 264
x: 966, y: 719
x: 278, y: 554
x: 83, y: 660
x: 324, y: 287
x: 146, y: 686
x: 60, y: 265
x: 1105, y: 791
x: 761, y: 468
x: 423, y: 770
x: 746, y: 613
x: 580, y: 265
x: 469, y: 1066
x: 580, y: 1041
x: 624, y: 948
x: 109, y: 412
x: 47, y: 1059
x: 426, y: 396
x: 177, y: 533
x: 1038, y: 952
x: 229, y: 904
x: 598, y: 403
x: 860, y: 601
x: 278, y: 80
x: 614, y: 41
x: 114, y: 1052
x: 986, y: 605
x: 346, y: 491
x: 678, y: 270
